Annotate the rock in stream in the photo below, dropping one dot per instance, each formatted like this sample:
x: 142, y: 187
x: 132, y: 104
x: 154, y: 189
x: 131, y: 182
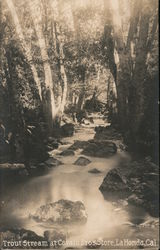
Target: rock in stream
x: 95, y: 148
x: 102, y: 149
x: 61, y: 212
x: 82, y: 161
x: 137, y: 181
x: 114, y: 182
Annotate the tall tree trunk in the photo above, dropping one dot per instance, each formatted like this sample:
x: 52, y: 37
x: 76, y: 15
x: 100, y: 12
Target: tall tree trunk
x: 108, y: 41
x: 62, y: 73
x: 137, y: 107
x: 1, y: 36
x: 122, y: 83
x: 26, y: 48
x: 108, y: 90
x: 131, y: 64
x: 50, y: 109
x: 58, y: 47
x: 118, y: 61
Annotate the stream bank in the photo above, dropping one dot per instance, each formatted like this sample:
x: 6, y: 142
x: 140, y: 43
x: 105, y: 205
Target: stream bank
x: 77, y: 181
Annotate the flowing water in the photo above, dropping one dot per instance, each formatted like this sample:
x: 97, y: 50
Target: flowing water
x: 106, y: 220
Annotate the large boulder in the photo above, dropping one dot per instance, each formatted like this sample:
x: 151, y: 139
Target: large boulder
x: 137, y: 180
x: 100, y: 148
x: 67, y: 129
x: 61, y: 212
x: 148, y: 192
x: 114, y: 182
x: 82, y: 161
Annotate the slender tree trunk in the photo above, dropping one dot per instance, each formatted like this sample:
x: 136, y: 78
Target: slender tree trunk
x: 108, y: 90
x: 108, y: 41
x: 81, y: 99
x: 63, y: 77
x: 58, y: 47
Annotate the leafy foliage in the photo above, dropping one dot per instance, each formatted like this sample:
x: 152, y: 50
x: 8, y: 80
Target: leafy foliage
x: 99, y: 41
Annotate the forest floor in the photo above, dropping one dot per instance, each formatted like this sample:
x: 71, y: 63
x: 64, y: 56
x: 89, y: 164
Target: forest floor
x: 119, y: 193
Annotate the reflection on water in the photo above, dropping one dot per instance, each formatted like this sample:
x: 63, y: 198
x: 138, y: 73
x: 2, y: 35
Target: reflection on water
x: 73, y: 182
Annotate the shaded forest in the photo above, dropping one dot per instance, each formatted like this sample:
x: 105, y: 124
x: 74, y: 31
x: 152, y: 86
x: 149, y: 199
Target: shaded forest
x: 61, y: 59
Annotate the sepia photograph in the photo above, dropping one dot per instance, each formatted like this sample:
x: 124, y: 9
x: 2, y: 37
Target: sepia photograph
x: 79, y: 124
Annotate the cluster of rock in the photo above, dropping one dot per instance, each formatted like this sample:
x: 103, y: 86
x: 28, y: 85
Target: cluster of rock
x: 137, y: 181
x: 18, y: 170
x: 96, y: 148
x: 100, y: 149
x: 107, y: 133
